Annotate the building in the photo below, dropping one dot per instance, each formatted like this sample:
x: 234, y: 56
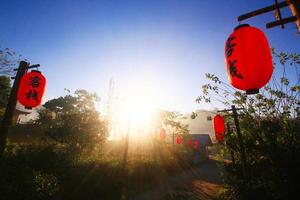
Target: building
x: 202, y: 124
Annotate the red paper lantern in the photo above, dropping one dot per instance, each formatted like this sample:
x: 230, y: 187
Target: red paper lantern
x: 219, y: 126
x: 179, y: 139
x: 248, y: 59
x: 162, y: 133
x: 190, y: 142
x: 31, y: 89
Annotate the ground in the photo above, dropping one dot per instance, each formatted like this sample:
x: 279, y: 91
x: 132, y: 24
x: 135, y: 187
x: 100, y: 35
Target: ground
x: 202, y: 182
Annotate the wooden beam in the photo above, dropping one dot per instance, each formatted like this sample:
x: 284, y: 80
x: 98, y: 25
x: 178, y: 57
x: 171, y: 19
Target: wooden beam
x: 280, y: 22
x: 263, y: 10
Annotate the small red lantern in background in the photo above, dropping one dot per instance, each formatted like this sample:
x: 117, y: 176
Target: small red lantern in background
x: 219, y: 126
x: 31, y: 89
x: 162, y: 133
x: 190, y: 142
x: 196, y: 144
x: 179, y: 139
x: 248, y: 59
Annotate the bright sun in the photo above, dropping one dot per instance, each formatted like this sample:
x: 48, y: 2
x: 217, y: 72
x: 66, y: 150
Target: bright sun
x: 140, y: 112
x: 134, y: 113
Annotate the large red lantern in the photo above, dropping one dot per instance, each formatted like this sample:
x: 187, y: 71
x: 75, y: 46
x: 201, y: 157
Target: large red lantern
x: 31, y: 89
x: 219, y: 126
x: 248, y: 59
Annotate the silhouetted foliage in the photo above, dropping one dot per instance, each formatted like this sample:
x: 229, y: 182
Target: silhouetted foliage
x: 4, y: 90
x: 4, y: 93
x: 8, y: 60
x: 52, y: 171
x: 270, y: 123
x: 171, y: 120
x: 73, y: 120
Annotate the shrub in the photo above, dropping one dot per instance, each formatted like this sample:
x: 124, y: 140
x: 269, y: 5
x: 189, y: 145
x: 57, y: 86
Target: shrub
x: 270, y: 123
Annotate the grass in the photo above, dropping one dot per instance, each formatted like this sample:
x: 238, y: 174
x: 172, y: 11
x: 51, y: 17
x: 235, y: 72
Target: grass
x: 54, y: 172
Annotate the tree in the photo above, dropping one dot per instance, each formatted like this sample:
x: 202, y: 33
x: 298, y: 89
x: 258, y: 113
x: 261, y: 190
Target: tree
x: 171, y: 120
x: 4, y: 93
x: 270, y: 123
x: 8, y: 60
x: 73, y: 120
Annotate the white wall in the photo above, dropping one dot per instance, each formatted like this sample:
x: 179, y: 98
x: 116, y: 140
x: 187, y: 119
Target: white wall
x: 200, y: 125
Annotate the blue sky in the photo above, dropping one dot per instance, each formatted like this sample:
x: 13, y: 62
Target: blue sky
x: 164, y: 47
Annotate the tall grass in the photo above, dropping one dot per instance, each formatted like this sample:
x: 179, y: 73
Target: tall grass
x: 51, y: 171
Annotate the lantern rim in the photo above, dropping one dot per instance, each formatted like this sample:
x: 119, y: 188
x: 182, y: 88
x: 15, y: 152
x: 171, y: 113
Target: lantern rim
x: 241, y: 26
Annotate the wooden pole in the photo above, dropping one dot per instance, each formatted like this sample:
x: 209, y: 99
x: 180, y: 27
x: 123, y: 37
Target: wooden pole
x: 126, y: 144
x: 173, y: 149
x: 11, y: 106
x: 240, y: 139
x: 295, y: 9
x: 173, y: 140
x: 231, y: 152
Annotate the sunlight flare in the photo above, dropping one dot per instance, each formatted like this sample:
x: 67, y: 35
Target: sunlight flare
x: 135, y: 113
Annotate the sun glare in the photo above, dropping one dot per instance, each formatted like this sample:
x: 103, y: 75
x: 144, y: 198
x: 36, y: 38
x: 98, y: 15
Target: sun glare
x: 139, y: 112
x: 135, y: 114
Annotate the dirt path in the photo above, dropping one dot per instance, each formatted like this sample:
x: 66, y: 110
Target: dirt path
x: 203, y: 183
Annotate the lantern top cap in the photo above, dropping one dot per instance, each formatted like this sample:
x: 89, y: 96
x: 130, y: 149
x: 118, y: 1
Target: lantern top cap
x: 240, y: 26
x: 36, y: 71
